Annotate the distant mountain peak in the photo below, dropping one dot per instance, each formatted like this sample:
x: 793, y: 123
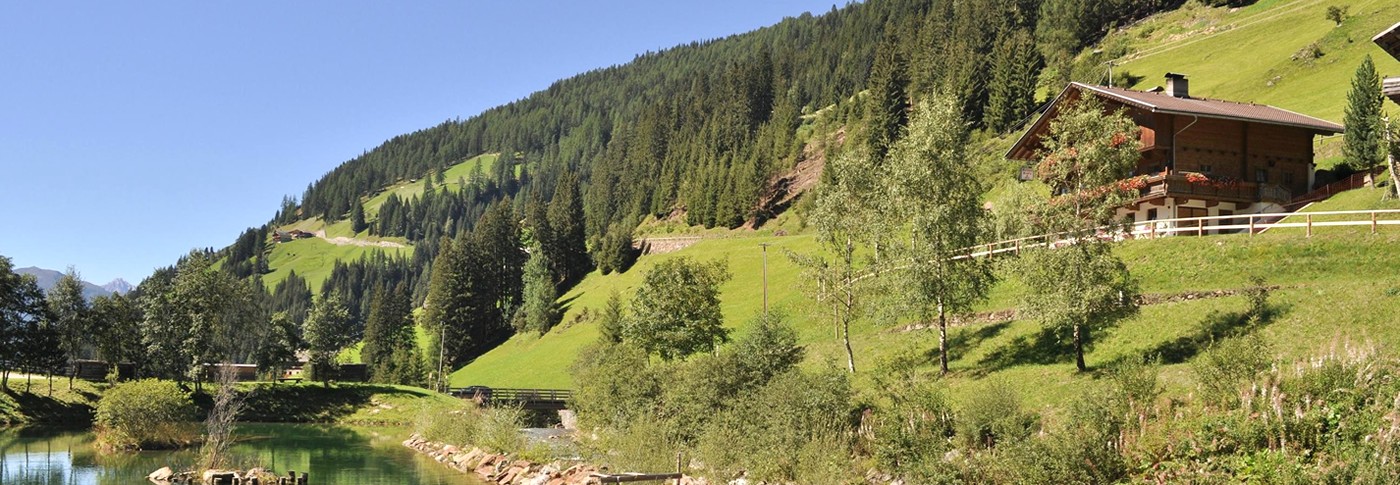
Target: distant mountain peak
x: 47, y: 278
x: 118, y: 286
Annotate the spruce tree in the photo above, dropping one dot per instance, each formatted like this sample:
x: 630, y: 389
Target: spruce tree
x: 567, y: 250
x: 388, y: 334
x: 1011, y: 92
x: 357, y: 217
x: 888, y: 102
x: 1363, y: 138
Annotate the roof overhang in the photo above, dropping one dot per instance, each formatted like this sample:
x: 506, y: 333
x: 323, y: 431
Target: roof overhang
x: 1389, y: 40
x: 1023, y: 149
x: 1391, y: 88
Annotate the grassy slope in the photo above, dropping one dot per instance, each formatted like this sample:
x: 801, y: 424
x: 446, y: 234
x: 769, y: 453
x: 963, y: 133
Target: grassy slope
x: 1246, y: 54
x: 407, y: 190
x: 313, y: 259
x: 542, y: 361
x: 1242, y: 55
x: 63, y: 407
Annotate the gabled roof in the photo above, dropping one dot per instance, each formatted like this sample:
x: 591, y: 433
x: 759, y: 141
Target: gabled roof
x: 1159, y: 102
x: 1389, y: 40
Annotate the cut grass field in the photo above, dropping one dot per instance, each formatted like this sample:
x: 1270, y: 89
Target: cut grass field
x: 314, y: 258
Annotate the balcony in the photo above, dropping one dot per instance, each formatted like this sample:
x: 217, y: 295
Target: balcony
x: 1195, y: 186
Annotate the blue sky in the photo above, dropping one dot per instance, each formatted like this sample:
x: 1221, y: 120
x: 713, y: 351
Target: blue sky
x: 131, y: 132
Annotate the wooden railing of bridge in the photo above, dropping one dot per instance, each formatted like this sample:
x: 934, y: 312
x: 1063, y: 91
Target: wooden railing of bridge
x: 546, y: 399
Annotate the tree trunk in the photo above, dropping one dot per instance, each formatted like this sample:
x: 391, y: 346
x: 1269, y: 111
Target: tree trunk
x: 1079, y: 350
x: 942, y: 339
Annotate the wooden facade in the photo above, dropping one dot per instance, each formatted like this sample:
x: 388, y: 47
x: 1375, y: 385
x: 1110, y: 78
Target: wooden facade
x: 1202, y: 157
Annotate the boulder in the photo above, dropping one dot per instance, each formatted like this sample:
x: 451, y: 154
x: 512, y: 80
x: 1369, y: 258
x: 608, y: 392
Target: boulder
x: 536, y: 479
x: 161, y: 475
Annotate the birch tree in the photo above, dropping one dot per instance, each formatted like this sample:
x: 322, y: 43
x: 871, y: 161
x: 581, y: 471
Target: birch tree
x: 938, y: 198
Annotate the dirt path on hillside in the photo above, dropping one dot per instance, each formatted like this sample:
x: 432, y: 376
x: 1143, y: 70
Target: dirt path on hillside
x: 347, y: 241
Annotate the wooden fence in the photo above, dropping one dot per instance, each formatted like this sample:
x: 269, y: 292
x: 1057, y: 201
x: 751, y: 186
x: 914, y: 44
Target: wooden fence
x: 1200, y: 226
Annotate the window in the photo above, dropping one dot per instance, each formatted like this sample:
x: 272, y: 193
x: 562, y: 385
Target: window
x: 1151, y: 214
x: 1205, y: 168
x: 1261, y: 175
x: 1288, y: 178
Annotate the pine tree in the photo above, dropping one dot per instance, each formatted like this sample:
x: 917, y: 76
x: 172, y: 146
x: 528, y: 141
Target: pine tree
x: 568, y: 252
x: 1363, y: 138
x: 888, y: 103
x: 357, y: 217
x: 388, y: 334
x: 1011, y: 92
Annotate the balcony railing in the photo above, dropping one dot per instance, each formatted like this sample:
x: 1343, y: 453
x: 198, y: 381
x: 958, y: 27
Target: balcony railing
x: 1177, y: 184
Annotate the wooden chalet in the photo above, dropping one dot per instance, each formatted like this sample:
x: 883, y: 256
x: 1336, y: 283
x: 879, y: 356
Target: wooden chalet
x: 1389, y: 40
x: 1201, y: 157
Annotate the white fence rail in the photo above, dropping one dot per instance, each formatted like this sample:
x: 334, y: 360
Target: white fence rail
x: 1200, y: 226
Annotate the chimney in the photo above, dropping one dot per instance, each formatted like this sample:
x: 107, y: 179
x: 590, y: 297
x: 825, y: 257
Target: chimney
x: 1177, y: 85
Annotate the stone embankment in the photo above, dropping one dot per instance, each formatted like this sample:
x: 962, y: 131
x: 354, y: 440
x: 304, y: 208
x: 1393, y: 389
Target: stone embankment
x: 505, y: 470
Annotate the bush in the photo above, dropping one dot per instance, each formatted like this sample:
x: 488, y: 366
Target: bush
x: 146, y: 414
x: 1227, y: 364
x: 994, y: 416
x: 492, y: 429
x: 795, y: 429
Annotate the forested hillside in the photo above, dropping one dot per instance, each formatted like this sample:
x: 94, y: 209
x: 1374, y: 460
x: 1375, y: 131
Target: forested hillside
x: 694, y: 135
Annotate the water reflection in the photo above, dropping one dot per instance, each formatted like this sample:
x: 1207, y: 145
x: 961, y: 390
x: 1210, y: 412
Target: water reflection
x: 333, y: 456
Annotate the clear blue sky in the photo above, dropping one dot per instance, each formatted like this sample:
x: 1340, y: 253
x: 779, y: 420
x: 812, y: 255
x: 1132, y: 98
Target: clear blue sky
x: 131, y: 132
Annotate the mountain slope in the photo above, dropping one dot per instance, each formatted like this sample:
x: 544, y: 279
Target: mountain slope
x: 1239, y: 54
x: 47, y: 278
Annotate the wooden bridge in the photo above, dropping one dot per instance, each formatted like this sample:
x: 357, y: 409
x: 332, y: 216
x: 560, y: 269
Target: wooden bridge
x: 543, y: 399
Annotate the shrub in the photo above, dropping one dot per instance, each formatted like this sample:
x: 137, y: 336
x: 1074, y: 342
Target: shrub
x: 493, y: 429
x: 146, y: 414
x: 994, y: 416
x: 1227, y: 364
x: 794, y: 429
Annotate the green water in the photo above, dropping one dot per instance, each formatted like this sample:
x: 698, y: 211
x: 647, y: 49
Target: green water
x: 333, y: 456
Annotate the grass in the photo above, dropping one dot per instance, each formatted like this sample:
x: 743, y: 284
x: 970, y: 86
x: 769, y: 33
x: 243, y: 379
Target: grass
x: 1332, y: 287
x: 38, y: 406
x: 314, y: 258
x: 542, y: 361
x: 1248, y: 54
x: 343, y: 403
x: 408, y: 190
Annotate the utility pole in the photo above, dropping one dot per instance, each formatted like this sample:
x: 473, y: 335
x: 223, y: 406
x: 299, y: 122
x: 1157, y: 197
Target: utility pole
x: 765, y: 275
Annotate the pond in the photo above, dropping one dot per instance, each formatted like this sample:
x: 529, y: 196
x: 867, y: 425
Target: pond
x: 333, y: 455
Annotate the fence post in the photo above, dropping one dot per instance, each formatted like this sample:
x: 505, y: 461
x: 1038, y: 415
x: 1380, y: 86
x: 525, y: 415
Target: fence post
x: 1200, y: 227
x: 1152, y: 231
x: 1251, y: 224
x: 1373, y: 222
x: 1309, y: 225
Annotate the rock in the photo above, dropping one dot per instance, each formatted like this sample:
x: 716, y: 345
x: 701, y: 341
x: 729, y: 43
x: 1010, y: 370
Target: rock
x: 449, y: 449
x: 161, y: 475
x: 536, y: 479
